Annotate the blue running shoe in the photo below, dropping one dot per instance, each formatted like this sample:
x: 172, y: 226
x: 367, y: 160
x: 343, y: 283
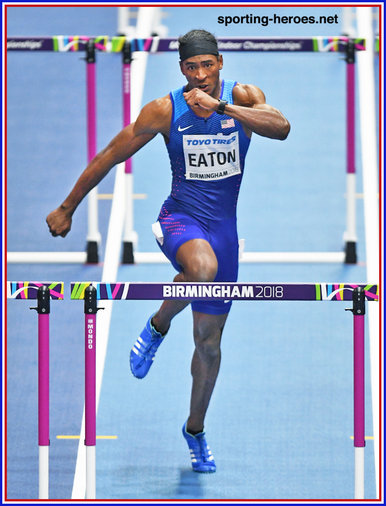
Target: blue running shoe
x: 200, y: 453
x: 144, y: 349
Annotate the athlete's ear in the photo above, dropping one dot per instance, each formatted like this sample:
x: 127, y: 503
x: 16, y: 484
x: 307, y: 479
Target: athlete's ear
x: 220, y: 61
x: 181, y: 67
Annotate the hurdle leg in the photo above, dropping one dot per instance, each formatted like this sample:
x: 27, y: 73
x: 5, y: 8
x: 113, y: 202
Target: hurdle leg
x: 44, y: 394
x: 90, y: 310
x: 93, y: 235
x: 130, y: 237
x: 359, y: 390
x: 43, y: 309
x: 350, y: 234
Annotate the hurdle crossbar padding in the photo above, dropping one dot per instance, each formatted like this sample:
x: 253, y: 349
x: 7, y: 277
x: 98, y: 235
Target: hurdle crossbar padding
x: 29, y: 289
x: 43, y: 292
x: 104, y: 43
x: 228, y: 291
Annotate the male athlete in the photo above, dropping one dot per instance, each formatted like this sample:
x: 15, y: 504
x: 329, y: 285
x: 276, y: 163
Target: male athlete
x: 206, y: 126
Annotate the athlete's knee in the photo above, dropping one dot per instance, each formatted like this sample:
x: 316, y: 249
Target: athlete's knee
x: 201, y: 269
x: 207, y: 341
x: 198, y: 261
x: 208, y: 349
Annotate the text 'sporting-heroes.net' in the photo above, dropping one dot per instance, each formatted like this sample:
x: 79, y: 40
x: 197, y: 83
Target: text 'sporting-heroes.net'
x: 275, y: 19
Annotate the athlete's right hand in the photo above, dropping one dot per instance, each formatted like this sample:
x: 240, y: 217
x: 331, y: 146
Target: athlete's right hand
x: 59, y: 222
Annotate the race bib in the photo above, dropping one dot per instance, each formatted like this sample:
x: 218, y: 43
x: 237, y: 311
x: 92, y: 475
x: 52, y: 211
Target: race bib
x: 211, y: 157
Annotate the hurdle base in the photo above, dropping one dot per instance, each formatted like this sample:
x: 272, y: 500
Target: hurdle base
x: 43, y: 472
x: 90, y: 472
x: 128, y: 253
x: 359, y: 473
x: 92, y: 252
x: 351, y: 253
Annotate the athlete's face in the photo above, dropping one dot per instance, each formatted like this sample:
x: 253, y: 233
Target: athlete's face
x: 203, y: 71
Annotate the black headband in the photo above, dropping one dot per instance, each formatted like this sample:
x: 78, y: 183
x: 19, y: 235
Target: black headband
x: 196, y: 48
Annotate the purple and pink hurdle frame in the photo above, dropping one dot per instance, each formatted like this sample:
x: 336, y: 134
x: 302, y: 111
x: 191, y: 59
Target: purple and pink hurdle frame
x: 350, y: 233
x: 93, y: 235
x: 43, y: 292
x: 357, y: 293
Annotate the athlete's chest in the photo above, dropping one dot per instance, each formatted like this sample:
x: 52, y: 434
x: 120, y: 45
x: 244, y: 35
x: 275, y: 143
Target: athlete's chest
x: 191, y: 124
x: 210, y: 152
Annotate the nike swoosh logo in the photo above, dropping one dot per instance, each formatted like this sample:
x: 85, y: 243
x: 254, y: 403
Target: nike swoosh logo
x: 185, y: 128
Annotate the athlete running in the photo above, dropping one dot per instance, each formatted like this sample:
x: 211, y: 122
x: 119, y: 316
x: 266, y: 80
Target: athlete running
x: 207, y: 126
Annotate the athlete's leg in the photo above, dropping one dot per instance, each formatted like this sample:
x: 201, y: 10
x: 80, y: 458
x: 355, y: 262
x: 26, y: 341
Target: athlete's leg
x: 207, y: 330
x: 209, y: 318
x: 199, y: 263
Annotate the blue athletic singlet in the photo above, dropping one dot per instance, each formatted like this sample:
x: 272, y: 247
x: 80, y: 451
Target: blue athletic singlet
x: 207, y: 161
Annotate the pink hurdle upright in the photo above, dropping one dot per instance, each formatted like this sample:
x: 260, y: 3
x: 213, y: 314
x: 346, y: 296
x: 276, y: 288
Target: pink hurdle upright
x: 43, y: 310
x: 90, y: 311
x: 93, y: 235
x: 350, y: 235
x: 43, y: 293
x: 358, y: 311
x: 130, y: 237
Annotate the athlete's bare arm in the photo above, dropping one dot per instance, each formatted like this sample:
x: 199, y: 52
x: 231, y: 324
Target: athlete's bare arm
x: 154, y: 118
x: 249, y: 108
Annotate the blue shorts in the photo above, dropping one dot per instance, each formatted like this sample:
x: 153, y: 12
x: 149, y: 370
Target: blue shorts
x: 178, y: 228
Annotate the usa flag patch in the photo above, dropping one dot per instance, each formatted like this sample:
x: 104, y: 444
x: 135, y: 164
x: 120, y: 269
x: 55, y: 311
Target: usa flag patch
x: 227, y: 123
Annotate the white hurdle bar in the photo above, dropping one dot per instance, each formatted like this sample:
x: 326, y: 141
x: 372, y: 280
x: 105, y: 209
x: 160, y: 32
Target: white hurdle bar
x: 247, y: 257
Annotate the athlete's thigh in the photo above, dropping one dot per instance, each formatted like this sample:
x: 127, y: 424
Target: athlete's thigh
x: 172, y: 230
x: 224, y: 240
x: 198, y: 260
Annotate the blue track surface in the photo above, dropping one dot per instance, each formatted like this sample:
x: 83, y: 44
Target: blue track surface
x: 280, y: 419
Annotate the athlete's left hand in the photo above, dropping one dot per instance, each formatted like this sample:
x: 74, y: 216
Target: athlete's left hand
x: 198, y: 99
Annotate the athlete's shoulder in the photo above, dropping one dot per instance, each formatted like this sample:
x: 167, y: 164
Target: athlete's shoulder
x: 155, y: 116
x: 161, y: 106
x: 247, y: 95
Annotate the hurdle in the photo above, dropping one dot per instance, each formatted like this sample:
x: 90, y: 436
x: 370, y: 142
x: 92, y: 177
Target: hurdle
x: 126, y: 46
x: 279, y: 44
x: 91, y: 292
x: 93, y: 234
x: 43, y: 292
